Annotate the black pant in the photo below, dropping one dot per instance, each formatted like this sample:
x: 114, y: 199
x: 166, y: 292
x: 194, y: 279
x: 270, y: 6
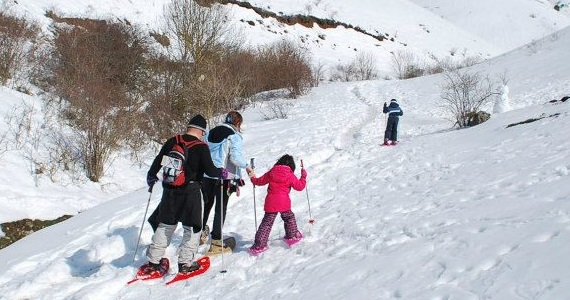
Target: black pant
x: 179, y: 205
x: 212, y: 193
x: 391, y: 133
x: 153, y: 219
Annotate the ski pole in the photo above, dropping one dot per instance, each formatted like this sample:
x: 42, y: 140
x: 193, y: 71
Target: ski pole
x: 222, y: 221
x: 252, y: 163
x: 144, y: 219
x: 311, y: 220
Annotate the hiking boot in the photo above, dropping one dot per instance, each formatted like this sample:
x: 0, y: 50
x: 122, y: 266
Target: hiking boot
x: 257, y: 251
x: 216, y: 248
x: 205, y: 234
x: 293, y: 240
x: 148, y: 268
x: 163, y: 265
x: 189, y: 267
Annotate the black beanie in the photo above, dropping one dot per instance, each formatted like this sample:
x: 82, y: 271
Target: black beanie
x: 198, y: 122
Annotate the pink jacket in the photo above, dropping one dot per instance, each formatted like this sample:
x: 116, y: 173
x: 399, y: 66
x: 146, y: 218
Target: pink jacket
x: 281, y: 179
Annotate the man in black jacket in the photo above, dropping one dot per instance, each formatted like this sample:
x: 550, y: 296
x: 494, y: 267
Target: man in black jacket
x: 181, y: 204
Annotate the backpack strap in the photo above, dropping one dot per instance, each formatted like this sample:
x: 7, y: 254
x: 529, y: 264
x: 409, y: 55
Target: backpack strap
x: 188, y: 145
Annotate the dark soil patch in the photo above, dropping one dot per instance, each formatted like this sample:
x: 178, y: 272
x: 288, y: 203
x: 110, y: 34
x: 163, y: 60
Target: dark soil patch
x: 18, y: 229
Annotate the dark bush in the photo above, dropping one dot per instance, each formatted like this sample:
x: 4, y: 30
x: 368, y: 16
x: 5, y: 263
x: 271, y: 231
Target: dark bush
x: 16, y: 38
x: 100, y: 73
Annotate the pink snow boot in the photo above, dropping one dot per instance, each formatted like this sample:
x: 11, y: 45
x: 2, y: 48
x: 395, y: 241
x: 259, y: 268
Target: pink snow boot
x: 294, y: 240
x: 257, y: 251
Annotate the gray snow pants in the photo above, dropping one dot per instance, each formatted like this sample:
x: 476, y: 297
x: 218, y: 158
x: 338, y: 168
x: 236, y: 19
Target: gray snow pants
x: 178, y: 205
x: 162, y: 238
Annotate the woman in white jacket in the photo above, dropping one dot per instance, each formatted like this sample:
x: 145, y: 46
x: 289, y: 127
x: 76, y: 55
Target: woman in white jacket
x: 226, y: 148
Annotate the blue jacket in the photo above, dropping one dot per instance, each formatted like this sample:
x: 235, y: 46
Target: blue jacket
x: 226, y: 148
x: 393, y: 110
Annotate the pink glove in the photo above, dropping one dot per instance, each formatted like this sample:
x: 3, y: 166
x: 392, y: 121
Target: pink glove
x: 303, y: 173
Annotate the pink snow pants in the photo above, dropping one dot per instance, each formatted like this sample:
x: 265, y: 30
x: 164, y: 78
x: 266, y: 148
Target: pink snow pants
x: 262, y: 234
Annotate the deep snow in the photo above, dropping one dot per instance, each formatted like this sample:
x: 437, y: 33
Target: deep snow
x: 479, y: 213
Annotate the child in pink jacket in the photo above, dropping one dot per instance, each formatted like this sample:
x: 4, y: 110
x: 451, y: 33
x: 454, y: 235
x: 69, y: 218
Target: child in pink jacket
x: 281, y: 179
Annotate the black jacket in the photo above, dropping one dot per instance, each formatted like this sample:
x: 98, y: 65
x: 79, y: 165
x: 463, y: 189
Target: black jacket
x: 393, y: 110
x: 199, y: 160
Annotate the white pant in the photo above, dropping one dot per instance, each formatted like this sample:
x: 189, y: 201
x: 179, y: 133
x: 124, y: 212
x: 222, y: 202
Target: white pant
x: 162, y: 238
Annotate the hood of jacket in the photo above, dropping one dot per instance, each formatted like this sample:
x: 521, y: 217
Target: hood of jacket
x: 280, y: 174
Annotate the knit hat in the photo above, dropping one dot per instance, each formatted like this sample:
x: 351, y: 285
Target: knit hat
x: 198, y: 122
x: 393, y: 100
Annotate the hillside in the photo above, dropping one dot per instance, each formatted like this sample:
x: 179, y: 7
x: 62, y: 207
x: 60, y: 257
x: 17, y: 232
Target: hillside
x: 421, y: 27
x: 478, y: 213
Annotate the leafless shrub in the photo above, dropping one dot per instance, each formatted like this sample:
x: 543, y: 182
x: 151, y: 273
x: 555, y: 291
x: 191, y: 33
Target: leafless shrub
x: 361, y: 68
x: 17, y: 44
x: 3, y: 143
x: 534, y: 46
x: 24, y: 133
x: 247, y: 66
x: 99, y: 72
x: 405, y: 65
x: 464, y: 94
x: 285, y: 65
x: 318, y: 71
x: 216, y: 90
x: 19, y: 126
x: 344, y: 72
x: 365, y: 67
x: 277, y: 109
x: 168, y: 98
x: 448, y: 64
x: 40, y: 138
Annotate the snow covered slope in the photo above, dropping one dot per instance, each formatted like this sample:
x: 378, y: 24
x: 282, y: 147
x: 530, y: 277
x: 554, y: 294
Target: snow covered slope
x: 472, y: 28
x: 480, y: 213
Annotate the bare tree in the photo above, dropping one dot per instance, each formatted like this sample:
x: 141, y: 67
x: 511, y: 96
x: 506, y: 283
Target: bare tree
x: 204, y: 37
x: 465, y: 93
x: 218, y: 73
x: 200, y: 33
